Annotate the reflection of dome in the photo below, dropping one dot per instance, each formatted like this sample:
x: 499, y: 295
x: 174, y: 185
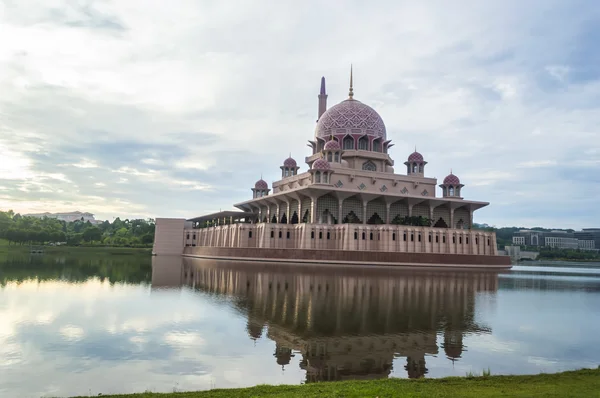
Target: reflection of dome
x: 332, y: 145
x: 290, y: 162
x: 350, y: 117
x: 415, y: 157
x: 451, y: 179
x: 261, y: 184
x: 321, y: 164
x: 254, y: 330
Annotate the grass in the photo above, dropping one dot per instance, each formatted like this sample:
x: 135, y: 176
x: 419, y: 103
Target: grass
x: 579, y: 383
x: 5, y: 247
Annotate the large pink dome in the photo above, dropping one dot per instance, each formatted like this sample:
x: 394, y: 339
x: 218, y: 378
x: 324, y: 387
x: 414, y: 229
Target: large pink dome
x: 350, y: 117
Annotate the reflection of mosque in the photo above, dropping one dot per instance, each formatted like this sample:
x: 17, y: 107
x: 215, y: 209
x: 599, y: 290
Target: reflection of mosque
x: 349, y: 323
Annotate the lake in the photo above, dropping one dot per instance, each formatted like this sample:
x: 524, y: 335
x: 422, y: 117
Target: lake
x: 89, y: 324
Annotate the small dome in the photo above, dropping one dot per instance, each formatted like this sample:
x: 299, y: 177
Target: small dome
x: 290, y: 162
x: 451, y: 179
x: 332, y: 145
x: 261, y: 184
x: 415, y: 157
x: 321, y: 164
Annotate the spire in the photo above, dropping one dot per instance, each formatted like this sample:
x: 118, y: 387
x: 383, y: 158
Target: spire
x: 351, y: 92
x: 322, y: 92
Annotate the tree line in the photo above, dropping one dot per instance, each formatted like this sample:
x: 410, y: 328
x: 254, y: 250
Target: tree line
x: 18, y: 229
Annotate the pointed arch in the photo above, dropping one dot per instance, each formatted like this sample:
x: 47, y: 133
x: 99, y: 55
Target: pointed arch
x: 283, y: 219
x: 363, y: 143
x: 369, y: 166
x: 348, y: 142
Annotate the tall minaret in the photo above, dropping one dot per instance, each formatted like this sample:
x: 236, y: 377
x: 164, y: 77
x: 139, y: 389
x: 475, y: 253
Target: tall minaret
x: 322, y: 98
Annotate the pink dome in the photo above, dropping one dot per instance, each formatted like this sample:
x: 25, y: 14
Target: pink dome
x: 290, y: 162
x: 321, y: 164
x: 350, y: 117
x: 415, y: 157
x: 451, y: 179
x: 261, y: 184
x: 332, y: 145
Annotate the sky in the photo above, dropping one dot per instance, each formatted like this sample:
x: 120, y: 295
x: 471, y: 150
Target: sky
x: 138, y: 108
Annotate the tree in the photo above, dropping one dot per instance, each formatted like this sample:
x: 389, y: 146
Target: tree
x: 91, y: 234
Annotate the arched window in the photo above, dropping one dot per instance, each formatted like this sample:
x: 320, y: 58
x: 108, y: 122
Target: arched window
x: 376, y: 146
x: 325, y: 178
x: 363, y: 144
x: 337, y: 157
x: 414, y: 169
x: 329, y: 157
x: 420, y: 168
x: 286, y: 172
x: 369, y: 166
x: 451, y: 191
x: 318, y: 176
x: 348, y: 143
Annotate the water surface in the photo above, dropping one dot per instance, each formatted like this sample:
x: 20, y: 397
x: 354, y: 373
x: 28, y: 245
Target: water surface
x: 83, y: 325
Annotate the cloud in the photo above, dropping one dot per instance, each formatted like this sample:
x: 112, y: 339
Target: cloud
x: 178, y: 108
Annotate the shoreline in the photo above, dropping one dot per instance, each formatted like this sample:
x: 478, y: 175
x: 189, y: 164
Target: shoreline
x: 577, y: 383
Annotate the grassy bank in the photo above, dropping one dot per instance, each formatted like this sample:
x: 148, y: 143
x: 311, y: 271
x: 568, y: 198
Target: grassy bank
x: 5, y: 247
x: 580, y: 383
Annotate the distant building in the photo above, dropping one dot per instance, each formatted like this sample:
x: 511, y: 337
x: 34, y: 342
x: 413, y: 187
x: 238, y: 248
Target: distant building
x: 68, y: 217
x: 558, y: 239
x: 589, y: 234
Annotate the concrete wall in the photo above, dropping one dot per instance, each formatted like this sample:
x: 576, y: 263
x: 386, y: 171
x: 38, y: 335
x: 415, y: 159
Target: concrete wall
x: 168, y: 236
x: 386, y: 238
x: 350, y: 257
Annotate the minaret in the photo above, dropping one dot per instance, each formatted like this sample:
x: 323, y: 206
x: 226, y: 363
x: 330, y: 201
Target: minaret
x: 351, y: 91
x: 322, y: 99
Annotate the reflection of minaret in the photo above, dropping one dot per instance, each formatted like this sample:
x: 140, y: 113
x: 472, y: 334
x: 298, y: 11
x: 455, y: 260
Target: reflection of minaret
x: 283, y: 355
x: 322, y: 99
x: 254, y: 329
x: 453, y: 344
x: 415, y: 366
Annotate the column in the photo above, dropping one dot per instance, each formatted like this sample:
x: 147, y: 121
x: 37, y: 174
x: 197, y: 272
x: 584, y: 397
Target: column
x: 340, y: 210
x: 364, y: 213
x: 299, y: 210
x: 451, y: 218
x: 410, y: 210
x: 387, y: 213
x: 278, y: 215
x: 431, y: 216
x: 313, y: 206
x: 289, y: 213
x: 269, y: 214
x: 470, y: 219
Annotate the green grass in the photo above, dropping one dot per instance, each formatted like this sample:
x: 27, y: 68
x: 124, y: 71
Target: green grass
x: 580, y: 383
x: 4, y: 247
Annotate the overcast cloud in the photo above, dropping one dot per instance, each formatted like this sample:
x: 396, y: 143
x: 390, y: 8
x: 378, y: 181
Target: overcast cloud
x: 138, y: 108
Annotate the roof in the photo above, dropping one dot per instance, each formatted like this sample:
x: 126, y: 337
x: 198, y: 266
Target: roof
x: 222, y: 214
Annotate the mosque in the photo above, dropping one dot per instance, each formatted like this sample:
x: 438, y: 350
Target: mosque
x: 349, y: 206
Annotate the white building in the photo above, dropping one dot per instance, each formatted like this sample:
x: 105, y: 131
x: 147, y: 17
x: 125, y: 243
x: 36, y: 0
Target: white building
x: 67, y: 217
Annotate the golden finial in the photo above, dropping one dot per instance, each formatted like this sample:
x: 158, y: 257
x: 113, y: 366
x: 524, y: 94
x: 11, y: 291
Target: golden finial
x: 350, y: 93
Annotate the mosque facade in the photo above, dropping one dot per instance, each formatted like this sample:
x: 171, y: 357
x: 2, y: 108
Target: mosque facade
x: 349, y: 205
